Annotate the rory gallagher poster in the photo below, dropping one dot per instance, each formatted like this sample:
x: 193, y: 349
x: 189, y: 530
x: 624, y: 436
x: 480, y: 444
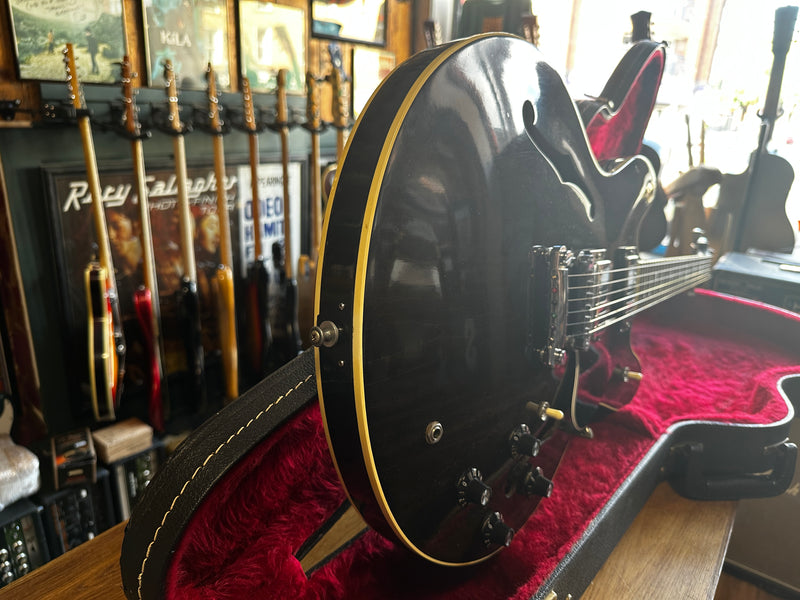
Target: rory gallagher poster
x: 75, y: 243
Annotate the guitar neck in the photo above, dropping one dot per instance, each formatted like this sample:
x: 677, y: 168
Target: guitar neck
x: 282, y: 111
x: 148, y: 260
x: 578, y: 296
x: 632, y: 289
x: 225, y: 245
x: 256, y: 202
x: 316, y: 197
x: 98, y: 213
x: 185, y: 219
x: 785, y: 19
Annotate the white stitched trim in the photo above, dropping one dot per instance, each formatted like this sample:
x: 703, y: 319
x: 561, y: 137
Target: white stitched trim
x: 198, y: 469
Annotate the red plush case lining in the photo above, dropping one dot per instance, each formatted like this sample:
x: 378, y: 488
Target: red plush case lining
x: 702, y: 361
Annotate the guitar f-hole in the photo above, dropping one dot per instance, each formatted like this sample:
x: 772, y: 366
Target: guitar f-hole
x: 565, y: 165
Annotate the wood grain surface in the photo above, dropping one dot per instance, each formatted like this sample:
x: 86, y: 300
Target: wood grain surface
x: 673, y: 549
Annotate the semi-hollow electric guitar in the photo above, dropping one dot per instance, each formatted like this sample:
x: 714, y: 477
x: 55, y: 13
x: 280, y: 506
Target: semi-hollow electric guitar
x: 223, y: 282
x: 188, y: 296
x: 145, y: 299
x: 259, y: 330
x: 106, y: 338
x: 477, y: 278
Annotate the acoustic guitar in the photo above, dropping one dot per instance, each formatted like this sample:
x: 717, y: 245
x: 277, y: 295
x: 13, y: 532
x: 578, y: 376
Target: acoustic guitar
x: 477, y: 278
x: 751, y: 210
x: 106, y: 337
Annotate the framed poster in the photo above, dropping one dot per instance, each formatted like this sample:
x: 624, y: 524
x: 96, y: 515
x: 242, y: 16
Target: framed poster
x: 191, y: 34
x: 272, y: 37
x: 42, y: 28
x: 270, y: 189
x: 357, y: 21
x: 74, y: 244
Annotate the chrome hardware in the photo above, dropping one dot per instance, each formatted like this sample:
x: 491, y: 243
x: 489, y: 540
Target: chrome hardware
x: 589, y: 295
x: 547, y: 303
x: 434, y: 432
x: 325, y: 334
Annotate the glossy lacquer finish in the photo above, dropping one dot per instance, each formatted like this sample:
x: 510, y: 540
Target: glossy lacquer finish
x: 468, y: 155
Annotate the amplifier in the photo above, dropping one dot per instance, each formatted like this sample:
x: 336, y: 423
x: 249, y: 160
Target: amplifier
x: 77, y: 513
x: 129, y: 477
x: 765, y: 276
x: 23, y: 546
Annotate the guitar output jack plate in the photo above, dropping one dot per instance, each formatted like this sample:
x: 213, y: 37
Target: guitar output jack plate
x: 434, y: 432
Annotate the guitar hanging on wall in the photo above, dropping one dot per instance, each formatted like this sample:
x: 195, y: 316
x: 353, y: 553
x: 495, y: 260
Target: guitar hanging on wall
x: 478, y: 272
x: 287, y: 343
x: 223, y: 281
x: 188, y: 296
x: 106, y: 338
x: 307, y: 263
x: 259, y: 330
x: 145, y: 299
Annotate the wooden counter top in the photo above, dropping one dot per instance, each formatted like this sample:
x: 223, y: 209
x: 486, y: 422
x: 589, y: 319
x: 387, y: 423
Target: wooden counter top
x: 673, y: 549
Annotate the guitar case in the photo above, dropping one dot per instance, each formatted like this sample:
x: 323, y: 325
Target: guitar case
x: 226, y: 513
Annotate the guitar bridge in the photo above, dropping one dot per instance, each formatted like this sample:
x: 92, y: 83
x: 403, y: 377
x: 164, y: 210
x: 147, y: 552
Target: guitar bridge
x: 561, y: 314
x: 547, y: 303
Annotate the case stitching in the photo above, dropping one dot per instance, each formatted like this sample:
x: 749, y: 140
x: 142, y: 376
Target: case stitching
x: 198, y: 469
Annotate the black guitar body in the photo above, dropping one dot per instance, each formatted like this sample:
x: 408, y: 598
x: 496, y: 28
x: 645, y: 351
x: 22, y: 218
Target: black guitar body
x: 286, y: 342
x: 259, y: 328
x: 189, y: 318
x: 473, y: 155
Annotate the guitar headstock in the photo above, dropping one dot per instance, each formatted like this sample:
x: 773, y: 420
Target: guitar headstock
x: 249, y: 111
x: 338, y: 78
x: 213, y: 101
x: 73, y: 83
x: 313, y: 118
x: 129, y: 115
x: 172, y: 97
x: 281, y: 106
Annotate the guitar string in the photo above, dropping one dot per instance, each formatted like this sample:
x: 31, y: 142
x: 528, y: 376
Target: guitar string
x: 614, y: 292
x: 639, y: 305
x: 645, y: 268
x: 653, y: 291
x: 611, y: 287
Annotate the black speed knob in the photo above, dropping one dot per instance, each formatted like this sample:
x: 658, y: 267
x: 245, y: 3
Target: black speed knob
x: 471, y: 488
x: 495, y: 531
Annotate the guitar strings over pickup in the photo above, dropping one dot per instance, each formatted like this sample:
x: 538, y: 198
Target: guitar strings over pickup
x: 572, y: 297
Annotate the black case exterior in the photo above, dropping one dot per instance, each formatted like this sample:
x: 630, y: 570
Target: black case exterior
x: 700, y: 460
